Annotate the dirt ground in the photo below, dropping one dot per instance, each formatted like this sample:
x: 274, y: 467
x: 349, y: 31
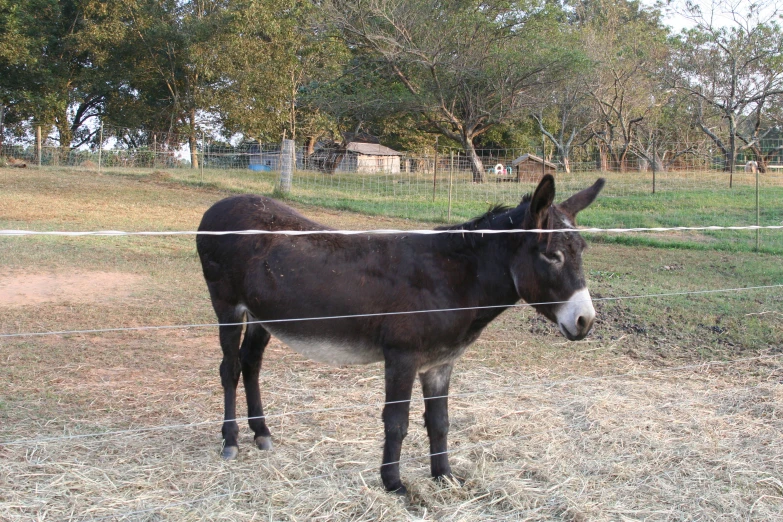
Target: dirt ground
x: 30, y: 288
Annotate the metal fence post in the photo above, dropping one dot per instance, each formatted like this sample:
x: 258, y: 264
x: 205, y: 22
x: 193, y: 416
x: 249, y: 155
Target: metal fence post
x: 38, y: 143
x: 286, y: 165
x: 154, y: 149
x: 100, y: 148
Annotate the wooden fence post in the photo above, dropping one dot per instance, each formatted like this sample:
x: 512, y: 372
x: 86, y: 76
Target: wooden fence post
x: 287, y: 152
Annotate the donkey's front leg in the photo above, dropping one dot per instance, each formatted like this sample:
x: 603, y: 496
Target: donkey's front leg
x: 400, y: 374
x: 435, y: 387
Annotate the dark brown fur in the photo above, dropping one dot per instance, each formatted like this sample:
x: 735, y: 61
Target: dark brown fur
x: 276, y: 277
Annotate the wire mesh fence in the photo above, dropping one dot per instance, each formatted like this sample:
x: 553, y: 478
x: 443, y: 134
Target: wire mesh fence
x: 662, y: 185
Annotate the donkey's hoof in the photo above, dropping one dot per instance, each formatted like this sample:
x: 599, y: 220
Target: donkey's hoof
x: 264, y: 442
x: 229, y: 453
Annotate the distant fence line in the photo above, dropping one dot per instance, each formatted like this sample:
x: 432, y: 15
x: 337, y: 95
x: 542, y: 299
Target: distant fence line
x: 139, y: 148
x: 689, y: 190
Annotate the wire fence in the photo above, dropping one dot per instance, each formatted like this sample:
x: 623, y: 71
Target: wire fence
x: 335, y: 476
x: 515, y: 390
x: 663, y: 185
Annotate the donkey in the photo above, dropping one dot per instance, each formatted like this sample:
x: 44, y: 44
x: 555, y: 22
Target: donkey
x: 260, y: 281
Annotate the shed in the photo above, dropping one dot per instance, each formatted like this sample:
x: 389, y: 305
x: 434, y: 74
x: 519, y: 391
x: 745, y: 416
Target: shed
x: 369, y: 158
x: 529, y: 167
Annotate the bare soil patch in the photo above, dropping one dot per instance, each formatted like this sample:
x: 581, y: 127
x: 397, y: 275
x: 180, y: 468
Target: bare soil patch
x: 31, y: 288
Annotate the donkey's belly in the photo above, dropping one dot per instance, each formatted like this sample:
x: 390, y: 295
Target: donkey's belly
x: 337, y: 352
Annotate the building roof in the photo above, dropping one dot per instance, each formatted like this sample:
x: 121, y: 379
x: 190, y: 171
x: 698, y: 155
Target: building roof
x: 534, y: 158
x: 371, y: 149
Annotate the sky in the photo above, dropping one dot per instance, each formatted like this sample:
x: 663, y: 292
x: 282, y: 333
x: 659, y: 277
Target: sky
x: 679, y: 22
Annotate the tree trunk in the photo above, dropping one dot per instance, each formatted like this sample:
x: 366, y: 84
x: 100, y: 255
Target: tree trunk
x: 732, y: 149
x: 66, y: 138
x: 658, y: 163
x: 566, y: 163
x: 476, y: 165
x: 193, y: 143
x: 310, y: 145
x: 602, y: 160
x: 564, y: 152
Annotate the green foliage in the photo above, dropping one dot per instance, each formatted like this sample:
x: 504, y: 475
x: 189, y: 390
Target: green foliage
x: 471, y: 73
x: 462, y: 68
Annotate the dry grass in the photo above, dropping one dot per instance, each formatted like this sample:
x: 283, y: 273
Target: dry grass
x: 542, y: 429
x: 701, y: 444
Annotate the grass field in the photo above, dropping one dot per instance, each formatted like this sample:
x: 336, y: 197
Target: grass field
x: 700, y: 198
x: 671, y: 410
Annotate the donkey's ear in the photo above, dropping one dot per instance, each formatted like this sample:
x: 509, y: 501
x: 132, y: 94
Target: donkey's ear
x: 542, y: 199
x: 581, y: 200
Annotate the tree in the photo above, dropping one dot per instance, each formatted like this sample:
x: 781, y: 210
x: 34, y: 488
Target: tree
x: 627, y: 45
x: 734, y: 72
x: 565, y: 116
x: 222, y: 64
x: 48, y: 71
x: 667, y: 133
x: 465, y: 66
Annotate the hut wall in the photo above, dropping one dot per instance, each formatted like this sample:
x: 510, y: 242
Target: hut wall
x: 366, y: 164
x: 532, y: 171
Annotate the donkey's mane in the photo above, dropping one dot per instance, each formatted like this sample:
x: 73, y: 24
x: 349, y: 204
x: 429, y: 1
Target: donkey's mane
x: 498, y: 217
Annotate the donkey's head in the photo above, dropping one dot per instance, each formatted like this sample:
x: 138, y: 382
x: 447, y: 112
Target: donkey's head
x: 548, y: 266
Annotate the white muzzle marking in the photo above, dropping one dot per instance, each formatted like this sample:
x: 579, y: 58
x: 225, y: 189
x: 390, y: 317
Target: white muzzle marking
x: 579, y: 305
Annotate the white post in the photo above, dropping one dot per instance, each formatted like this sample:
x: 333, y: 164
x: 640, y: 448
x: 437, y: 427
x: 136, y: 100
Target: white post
x: 286, y: 165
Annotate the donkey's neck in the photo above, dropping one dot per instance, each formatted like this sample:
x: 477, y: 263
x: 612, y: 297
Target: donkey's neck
x: 485, y: 268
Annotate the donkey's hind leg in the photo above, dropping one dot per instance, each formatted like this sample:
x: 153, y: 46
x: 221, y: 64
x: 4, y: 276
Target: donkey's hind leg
x: 251, y: 354
x: 435, y: 387
x: 230, y: 334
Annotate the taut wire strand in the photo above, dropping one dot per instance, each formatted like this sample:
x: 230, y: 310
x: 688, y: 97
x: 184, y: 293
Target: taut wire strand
x: 356, y: 470
x: 374, y: 232
x: 378, y: 314
x: 496, y: 391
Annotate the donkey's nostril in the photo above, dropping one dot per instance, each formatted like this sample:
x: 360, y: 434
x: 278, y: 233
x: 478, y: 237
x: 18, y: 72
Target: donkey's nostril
x: 581, y: 322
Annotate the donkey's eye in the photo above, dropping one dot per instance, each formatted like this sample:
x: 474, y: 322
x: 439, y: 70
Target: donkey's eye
x: 555, y: 257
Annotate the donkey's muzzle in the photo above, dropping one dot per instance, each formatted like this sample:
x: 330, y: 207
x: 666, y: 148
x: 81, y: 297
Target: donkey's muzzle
x: 576, y: 316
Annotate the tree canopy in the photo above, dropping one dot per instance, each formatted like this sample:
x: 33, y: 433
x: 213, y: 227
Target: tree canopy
x: 604, y: 76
